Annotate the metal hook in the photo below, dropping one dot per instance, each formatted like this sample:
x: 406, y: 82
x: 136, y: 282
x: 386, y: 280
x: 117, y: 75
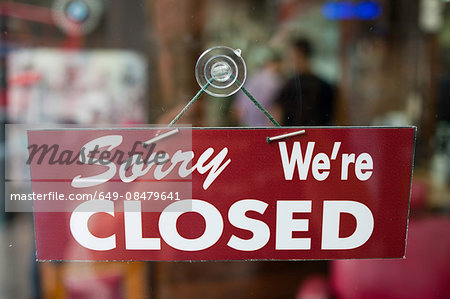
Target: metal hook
x: 284, y: 136
x: 159, y: 137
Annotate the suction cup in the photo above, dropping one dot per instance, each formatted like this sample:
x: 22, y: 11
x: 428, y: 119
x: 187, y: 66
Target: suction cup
x: 224, y: 68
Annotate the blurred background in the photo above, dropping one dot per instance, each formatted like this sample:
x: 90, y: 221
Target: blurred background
x: 94, y: 62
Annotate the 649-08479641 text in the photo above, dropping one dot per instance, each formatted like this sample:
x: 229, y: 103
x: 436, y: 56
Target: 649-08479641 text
x: 97, y: 195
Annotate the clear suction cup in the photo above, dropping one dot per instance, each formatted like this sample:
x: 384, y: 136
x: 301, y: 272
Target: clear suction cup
x: 223, y: 68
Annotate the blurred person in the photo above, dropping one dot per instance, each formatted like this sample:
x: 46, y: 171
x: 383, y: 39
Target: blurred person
x: 306, y: 99
x: 264, y: 86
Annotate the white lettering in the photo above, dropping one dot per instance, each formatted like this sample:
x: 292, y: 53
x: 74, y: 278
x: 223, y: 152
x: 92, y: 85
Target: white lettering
x: 321, y: 167
x: 346, y: 160
x: 133, y: 228
x: 168, y: 225
x: 79, y: 225
x: 260, y: 230
x: 213, y: 168
x: 286, y: 224
x: 331, y: 219
x: 111, y: 141
x: 296, y: 158
x: 364, y: 167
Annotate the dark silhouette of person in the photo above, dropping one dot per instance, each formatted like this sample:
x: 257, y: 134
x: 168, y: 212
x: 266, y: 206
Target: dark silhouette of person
x: 305, y: 99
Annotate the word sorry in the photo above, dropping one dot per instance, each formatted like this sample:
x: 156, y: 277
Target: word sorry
x: 184, y: 158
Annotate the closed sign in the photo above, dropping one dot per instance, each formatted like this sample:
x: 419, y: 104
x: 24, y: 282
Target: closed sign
x: 221, y: 194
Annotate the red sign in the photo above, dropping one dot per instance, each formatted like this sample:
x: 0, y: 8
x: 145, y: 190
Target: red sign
x: 221, y: 194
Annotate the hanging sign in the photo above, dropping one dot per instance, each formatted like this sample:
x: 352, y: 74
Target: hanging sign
x: 221, y: 194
